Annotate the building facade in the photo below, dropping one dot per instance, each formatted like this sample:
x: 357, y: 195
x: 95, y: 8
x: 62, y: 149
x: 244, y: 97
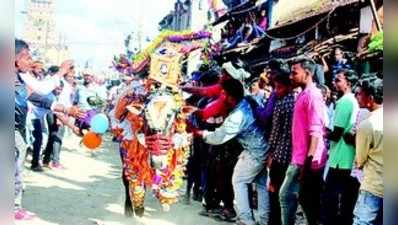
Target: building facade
x: 178, y: 19
x: 40, y: 32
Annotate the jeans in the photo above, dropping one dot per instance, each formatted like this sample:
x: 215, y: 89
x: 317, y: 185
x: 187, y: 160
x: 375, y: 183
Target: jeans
x: 38, y: 140
x: 341, y: 192
x: 210, y: 195
x: 277, y: 174
x: 368, y: 209
x: 54, y: 144
x: 193, y: 173
x: 288, y: 195
x: 248, y: 170
x: 224, y: 186
x: 307, y: 192
x: 20, y: 152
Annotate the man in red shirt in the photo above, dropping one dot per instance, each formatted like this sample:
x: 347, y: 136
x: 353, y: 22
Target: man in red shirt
x: 217, y: 107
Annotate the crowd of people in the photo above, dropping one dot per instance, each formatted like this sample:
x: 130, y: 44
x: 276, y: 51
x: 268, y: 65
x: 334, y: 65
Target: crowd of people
x: 285, y: 139
x: 48, y: 106
x: 245, y: 30
x: 271, y: 142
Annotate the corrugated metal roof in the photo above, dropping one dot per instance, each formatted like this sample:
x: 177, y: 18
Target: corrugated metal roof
x: 286, y: 12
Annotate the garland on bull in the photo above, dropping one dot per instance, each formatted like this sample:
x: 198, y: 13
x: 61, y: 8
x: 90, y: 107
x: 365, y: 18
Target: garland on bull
x: 150, y: 123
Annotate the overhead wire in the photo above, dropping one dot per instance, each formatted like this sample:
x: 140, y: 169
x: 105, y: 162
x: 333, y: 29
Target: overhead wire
x: 305, y: 31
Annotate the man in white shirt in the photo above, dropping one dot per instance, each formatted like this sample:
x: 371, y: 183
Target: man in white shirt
x: 87, y: 92
x: 27, y: 86
x: 102, y: 91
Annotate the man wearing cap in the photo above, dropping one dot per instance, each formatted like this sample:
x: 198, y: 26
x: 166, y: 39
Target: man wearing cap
x: 86, y: 91
x: 229, y: 71
x: 250, y: 168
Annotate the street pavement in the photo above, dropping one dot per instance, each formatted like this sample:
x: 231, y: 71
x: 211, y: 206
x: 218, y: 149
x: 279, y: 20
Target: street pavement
x: 89, y: 191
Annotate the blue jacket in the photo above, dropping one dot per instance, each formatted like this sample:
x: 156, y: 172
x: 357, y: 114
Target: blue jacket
x: 241, y: 123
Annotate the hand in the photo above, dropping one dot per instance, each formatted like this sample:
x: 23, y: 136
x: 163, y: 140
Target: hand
x: 75, y: 112
x: 313, y: 54
x: 198, y: 133
x: 60, y: 121
x: 59, y: 108
x: 271, y: 187
x: 76, y: 131
x: 188, y: 110
x: 66, y: 67
x: 327, y: 133
x: 349, y: 138
x: 198, y: 114
x: 305, y: 168
x: 189, y: 128
x: 269, y: 162
x: 186, y: 88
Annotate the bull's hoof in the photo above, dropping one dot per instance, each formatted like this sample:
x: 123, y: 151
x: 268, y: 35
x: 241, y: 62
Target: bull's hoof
x: 165, y: 207
x: 139, y: 211
x: 128, y: 211
x: 187, y: 199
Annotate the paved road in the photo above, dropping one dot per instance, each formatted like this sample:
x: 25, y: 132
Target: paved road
x: 89, y: 191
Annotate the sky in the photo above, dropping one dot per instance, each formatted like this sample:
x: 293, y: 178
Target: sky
x: 95, y: 29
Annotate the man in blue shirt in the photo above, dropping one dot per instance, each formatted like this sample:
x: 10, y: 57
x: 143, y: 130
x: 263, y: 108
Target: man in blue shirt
x: 241, y: 124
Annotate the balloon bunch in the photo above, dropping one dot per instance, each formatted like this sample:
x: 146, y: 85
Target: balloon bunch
x: 99, y: 124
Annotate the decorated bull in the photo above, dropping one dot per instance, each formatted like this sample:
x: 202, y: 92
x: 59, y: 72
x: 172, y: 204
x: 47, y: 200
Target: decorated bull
x: 149, y: 121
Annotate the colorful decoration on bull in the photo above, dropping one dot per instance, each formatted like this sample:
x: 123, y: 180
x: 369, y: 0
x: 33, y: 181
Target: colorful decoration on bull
x: 157, y: 152
x: 193, y: 40
x: 154, y: 144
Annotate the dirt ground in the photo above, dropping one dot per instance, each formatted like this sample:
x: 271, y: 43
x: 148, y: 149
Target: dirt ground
x: 89, y: 191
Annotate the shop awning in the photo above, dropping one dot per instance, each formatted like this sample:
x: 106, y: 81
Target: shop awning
x: 286, y: 12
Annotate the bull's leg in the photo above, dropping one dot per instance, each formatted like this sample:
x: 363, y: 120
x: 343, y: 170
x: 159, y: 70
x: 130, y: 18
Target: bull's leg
x: 128, y: 206
x: 137, y: 194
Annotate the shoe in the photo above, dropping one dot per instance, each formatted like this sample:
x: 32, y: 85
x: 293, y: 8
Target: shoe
x: 239, y: 222
x: 227, y: 215
x: 210, y: 212
x: 204, y: 212
x: 187, y: 199
x: 37, y: 168
x: 23, y: 214
x: 197, y: 197
x: 47, y: 165
x: 57, y: 166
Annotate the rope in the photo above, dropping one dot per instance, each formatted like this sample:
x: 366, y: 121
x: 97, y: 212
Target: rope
x: 305, y: 31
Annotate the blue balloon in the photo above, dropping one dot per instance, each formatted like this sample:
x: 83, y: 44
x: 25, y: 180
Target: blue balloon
x: 99, y: 123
